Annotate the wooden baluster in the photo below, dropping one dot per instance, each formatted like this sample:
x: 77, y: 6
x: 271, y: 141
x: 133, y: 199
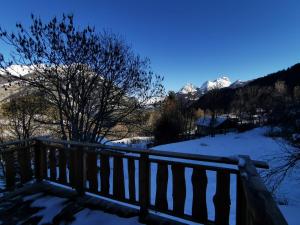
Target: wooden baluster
x: 161, y: 202
x: 92, y: 171
x: 144, y: 186
x: 199, y: 208
x: 10, y: 170
x: 28, y: 164
x: 62, y: 163
x: 104, y: 174
x: 72, y: 167
x: 241, y: 207
x: 118, y: 178
x: 80, y: 170
x: 179, y: 189
x: 52, y: 163
x: 131, y: 178
x: 222, y: 198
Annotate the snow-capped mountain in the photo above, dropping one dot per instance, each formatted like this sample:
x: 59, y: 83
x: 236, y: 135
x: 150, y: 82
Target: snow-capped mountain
x: 189, y: 92
x: 192, y: 92
x: 188, y: 89
x: 18, y: 70
x: 238, y: 83
x: 219, y: 83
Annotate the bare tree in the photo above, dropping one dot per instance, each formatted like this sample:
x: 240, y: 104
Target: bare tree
x: 20, y: 112
x: 286, y: 161
x: 214, y: 106
x: 94, y: 80
x: 185, y: 106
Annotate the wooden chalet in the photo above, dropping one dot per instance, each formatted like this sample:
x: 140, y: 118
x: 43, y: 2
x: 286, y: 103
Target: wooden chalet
x: 220, y: 125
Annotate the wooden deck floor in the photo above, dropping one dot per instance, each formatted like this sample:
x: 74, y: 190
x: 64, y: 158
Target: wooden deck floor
x: 20, y: 207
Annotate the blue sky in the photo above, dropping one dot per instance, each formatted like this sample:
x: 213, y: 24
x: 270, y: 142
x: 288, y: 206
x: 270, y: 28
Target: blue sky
x: 187, y: 40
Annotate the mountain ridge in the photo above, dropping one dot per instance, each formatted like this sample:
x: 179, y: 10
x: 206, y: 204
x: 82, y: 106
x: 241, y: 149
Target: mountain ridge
x: 189, y: 89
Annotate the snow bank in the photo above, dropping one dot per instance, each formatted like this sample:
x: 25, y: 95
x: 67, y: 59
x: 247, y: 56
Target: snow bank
x: 50, y: 205
x: 135, y: 142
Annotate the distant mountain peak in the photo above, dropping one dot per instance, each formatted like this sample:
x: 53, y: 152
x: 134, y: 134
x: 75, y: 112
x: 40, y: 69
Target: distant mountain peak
x: 223, y: 78
x: 192, y: 92
x: 238, y: 83
x: 188, y: 88
x: 218, y: 83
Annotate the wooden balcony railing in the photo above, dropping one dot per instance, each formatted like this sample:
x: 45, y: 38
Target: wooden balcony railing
x: 100, y: 169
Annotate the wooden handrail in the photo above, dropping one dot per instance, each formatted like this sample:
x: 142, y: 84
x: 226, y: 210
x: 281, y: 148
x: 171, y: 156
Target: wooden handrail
x: 18, y: 142
x: 259, y: 207
x: 178, y: 155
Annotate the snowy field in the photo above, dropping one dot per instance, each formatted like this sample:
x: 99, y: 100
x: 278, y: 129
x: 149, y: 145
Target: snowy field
x: 135, y: 142
x: 253, y: 143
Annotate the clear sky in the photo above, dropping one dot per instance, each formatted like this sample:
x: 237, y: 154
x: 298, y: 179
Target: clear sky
x: 187, y: 40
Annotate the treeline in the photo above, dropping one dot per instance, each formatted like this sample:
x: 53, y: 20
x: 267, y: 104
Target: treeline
x: 175, y: 119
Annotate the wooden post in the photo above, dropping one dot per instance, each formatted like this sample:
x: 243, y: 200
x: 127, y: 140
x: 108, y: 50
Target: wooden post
x: 144, y: 186
x: 261, y: 207
x: 10, y: 171
x: 39, y: 162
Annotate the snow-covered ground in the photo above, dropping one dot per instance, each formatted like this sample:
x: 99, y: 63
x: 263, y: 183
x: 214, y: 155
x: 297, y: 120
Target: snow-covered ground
x: 50, y: 206
x: 253, y: 143
x: 135, y: 142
